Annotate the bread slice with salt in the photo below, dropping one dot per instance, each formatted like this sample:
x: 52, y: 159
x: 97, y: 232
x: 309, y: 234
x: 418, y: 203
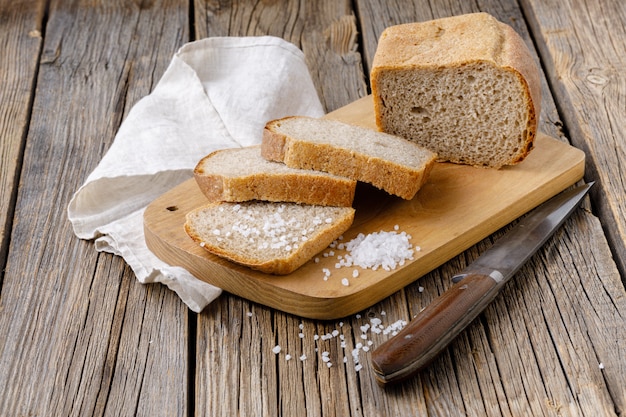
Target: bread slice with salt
x: 466, y: 87
x: 388, y: 162
x: 275, y: 238
x: 242, y: 174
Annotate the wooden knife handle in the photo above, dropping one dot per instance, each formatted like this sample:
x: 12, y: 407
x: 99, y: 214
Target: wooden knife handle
x: 433, y: 328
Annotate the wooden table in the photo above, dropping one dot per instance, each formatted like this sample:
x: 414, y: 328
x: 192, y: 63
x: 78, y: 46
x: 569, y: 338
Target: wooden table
x: 80, y: 336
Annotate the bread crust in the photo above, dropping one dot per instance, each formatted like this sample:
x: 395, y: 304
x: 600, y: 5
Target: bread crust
x: 300, y: 153
x: 455, y: 43
x: 296, y: 186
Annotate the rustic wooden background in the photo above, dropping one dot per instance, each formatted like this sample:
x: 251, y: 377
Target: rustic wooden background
x: 80, y: 336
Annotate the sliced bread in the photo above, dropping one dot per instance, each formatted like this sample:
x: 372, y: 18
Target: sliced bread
x: 465, y: 87
x: 242, y: 174
x: 275, y: 238
x: 388, y: 162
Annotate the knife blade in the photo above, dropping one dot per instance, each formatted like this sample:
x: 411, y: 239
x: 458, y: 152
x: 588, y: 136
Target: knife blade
x: 474, y: 288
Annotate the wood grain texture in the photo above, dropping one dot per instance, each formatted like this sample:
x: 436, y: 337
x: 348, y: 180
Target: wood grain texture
x: 483, y: 372
x: 80, y: 336
x: 584, y: 47
x: 21, y: 41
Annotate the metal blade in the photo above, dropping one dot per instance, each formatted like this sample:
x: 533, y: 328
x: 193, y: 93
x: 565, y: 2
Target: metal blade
x: 511, y: 251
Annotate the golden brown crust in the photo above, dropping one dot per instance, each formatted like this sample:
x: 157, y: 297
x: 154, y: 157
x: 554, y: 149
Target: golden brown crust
x: 517, y: 56
x: 299, y: 187
x: 389, y: 176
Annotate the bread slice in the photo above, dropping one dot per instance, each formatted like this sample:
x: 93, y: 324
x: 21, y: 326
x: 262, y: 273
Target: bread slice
x: 388, y: 162
x: 242, y: 174
x: 465, y: 87
x: 275, y: 238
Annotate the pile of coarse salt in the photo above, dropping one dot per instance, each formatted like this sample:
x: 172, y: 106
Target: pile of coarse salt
x: 386, y: 250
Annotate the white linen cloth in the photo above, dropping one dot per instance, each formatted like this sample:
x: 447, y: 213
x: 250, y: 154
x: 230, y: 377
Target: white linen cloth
x: 216, y: 93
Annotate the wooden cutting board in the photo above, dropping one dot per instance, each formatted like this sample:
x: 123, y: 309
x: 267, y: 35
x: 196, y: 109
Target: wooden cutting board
x: 456, y: 208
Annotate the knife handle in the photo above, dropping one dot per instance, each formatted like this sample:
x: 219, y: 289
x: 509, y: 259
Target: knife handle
x: 434, y: 328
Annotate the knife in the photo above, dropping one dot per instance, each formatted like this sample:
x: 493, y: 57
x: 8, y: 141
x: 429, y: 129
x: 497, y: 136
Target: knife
x: 474, y: 288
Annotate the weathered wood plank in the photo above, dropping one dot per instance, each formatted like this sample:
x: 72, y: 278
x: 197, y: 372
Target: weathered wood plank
x: 80, y: 336
x: 269, y: 383
x: 325, y: 31
x: 583, y: 44
x: 20, y: 38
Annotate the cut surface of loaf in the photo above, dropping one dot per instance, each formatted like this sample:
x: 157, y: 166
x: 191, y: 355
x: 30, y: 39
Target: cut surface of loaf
x: 388, y: 162
x: 242, y: 174
x: 275, y: 238
x: 465, y: 87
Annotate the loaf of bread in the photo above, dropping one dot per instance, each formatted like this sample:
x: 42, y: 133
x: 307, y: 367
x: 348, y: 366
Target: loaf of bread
x: 275, y: 238
x: 242, y: 174
x: 465, y: 87
x: 388, y: 162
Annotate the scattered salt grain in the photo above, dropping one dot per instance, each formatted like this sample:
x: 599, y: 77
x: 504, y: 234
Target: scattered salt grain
x: 276, y: 349
x: 303, y: 357
x: 287, y: 357
x: 601, y: 366
x: 249, y: 313
x: 345, y: 282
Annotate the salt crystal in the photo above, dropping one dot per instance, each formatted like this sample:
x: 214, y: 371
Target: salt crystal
x: 276, y: 349
x: 303, y: 357
x: 345, y: 282
x: 287, y: 357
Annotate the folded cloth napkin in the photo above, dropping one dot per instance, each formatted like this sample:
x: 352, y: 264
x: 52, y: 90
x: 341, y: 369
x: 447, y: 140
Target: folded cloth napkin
x: 216, y: 93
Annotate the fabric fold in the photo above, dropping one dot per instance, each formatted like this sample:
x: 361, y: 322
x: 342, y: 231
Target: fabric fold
x: 216, y: 93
